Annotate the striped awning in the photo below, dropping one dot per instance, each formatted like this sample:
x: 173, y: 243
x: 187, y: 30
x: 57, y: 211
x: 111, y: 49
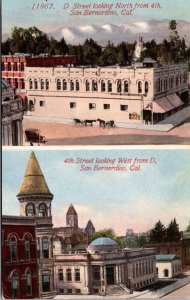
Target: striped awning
x: 161, y: 105
x: 175, y: 100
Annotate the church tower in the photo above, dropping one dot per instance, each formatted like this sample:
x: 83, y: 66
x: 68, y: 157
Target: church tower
x: 138, y: 49
x: 71, y: 217
x: 35, y: 202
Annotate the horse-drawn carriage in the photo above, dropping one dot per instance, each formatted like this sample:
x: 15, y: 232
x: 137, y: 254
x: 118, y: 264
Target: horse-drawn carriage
x: 102, y: 123
x: 33, y: 136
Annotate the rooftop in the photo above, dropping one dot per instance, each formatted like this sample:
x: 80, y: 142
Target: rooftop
x: 165, y: 257
x: 34, y: 182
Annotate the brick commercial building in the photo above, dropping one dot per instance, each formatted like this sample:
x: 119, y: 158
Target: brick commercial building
x: 14, y: 66
x: 19, y: 260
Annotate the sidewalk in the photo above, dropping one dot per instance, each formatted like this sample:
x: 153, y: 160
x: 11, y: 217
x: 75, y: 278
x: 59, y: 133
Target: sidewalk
x: 164, y: 126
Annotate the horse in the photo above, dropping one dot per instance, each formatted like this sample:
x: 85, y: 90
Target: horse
x: 78, y: 122
x: 89, y: 121
x: 102, y: 123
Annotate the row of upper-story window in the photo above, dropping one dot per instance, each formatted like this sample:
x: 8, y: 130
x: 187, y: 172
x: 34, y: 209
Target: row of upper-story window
x: 68, y: 275
x: 40, y: 211
x: 15, y: 66
x: 26, y: 255
x: 90, y: 85
x: 16, y: 82
x: 16, y: 286
x: 164, y: 84
x: 13, y: 248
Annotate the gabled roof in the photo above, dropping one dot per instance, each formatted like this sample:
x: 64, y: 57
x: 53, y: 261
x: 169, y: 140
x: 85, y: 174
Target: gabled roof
x: 166, y: 257
x: 34, y: 182
x: 71, y: 211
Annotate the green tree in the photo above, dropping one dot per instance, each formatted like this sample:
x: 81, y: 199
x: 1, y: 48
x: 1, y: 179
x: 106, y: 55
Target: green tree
x: 6, y: 47
x: 158, y: 233
x: 172, y: 232
x: 92, y: 52
x: 61, y: 47
x: 177, y: 47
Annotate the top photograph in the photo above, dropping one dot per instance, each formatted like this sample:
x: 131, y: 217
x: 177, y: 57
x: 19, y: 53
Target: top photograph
x: 95, y: 72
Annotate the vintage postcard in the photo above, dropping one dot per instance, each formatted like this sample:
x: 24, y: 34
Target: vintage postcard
x: 86, y: 224
x: 91, y: 213
x: 95, y: 72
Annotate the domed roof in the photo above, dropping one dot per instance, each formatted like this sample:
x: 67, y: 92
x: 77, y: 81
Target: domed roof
x: 103, y: 241
x: 103, y: 244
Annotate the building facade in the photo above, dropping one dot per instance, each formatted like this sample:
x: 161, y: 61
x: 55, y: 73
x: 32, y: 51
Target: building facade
x: 103, y: 268
x: 13, y: 67
x: 19, y: 260
x: 124, y: 94
x: 168, y: 266
x: 35, y: 201
x: 12, y: 116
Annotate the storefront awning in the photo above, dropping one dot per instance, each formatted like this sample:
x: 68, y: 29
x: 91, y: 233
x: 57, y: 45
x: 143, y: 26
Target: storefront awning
x: 161, y: 105
x: 175, y: 100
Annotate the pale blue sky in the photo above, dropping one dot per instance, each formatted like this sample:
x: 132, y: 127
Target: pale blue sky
x: 20, y: 13
x: 110, y: 199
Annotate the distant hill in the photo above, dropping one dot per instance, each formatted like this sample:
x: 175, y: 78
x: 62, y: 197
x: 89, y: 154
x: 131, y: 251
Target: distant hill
x: 129, y: 32
x: 154, y: 29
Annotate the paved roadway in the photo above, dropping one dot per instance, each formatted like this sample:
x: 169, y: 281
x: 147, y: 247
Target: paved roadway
x: 62, y: 134
x: 183, y: 292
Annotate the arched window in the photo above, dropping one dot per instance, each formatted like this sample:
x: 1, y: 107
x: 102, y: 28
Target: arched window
x: 64, y: 85
x: 109, y: 86
x: 126, y: 86
x: 87, y: 83
x: 27, y: 248
x: 146, y: 87
x: 119, y: 86
x: 35, y: 84
x: 30, y: 84
x: 3, y: 66
x: 28, y: 282
x: 47, y: 84
x: 45, y: 247
x: 72, y: 86
x: 94, y: 85
x: 103, y: 86
x: 13, y: 248
x: 30, y: 211
x: 42, y: 84
x: 58, y: 84
x: 22, y: 66
x: 77, y: 85
x: 139, y: 87
x: 42, y: 210
x: 15, y: 286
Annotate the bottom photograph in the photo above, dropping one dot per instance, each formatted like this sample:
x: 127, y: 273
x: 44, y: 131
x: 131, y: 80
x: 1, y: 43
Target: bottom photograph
x: 83, y: 224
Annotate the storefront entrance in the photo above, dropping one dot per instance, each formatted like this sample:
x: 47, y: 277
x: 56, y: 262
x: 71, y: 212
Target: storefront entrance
x: 110, y: 275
